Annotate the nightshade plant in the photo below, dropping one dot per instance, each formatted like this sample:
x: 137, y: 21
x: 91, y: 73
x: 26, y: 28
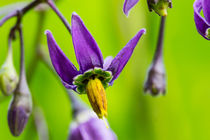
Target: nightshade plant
x: 95, y: 74
x: 202, y: 23
x: 159, y: 6
x: 155, y: 83
x: 20, y: 108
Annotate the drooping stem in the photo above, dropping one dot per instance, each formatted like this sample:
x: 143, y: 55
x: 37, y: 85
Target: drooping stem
x: 9, y: 55
x: 22, y: 58
x: 159, y: 50
x: 58, y: 13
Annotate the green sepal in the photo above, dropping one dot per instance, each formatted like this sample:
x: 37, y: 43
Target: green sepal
x: 81, y: 80
x: 208, y: 33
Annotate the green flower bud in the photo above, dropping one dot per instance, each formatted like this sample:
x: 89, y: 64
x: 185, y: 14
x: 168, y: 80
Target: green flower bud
x: 8, y: 75
x: 159, y: 6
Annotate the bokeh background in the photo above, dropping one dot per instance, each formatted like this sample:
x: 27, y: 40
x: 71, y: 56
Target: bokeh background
x: 182, y: 114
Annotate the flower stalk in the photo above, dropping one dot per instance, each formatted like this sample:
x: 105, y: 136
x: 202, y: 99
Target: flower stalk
x: 59, y: 14
x: 155, y: 82
x: 21, y: 105
x: 24, y: 10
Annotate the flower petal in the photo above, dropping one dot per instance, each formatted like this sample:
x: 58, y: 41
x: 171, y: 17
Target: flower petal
x: 107, y: 62
x: 87, y: 52
x: 206, y: 10
x: 123, y: 56
x: 93, y: 129
x: 201, y: 24
x: 65, y: 69
x: 128, y: 4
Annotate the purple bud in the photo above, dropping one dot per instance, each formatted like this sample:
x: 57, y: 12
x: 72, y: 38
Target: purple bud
x: 17, y: 118
x: 87, y: 126
x: 155, y: 83
x: 19, y: 111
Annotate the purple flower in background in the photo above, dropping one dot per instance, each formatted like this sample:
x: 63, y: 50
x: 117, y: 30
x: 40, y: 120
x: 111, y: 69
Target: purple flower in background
x: 159, y: 6
x: 128, y: 5
x: 95, y: 74
x: 202, y: 23
x: 86, y: 126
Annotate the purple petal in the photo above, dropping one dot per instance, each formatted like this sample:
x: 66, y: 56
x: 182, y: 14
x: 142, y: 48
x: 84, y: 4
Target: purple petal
x: 87, y: 52
x: 65, y: 69
x: 17, y: 120
x: 93, y: 129
x: 128, y: 4
x: 201, y: 24
x: 206, y: 10
x: 107, y: 62
x: 124, y: 55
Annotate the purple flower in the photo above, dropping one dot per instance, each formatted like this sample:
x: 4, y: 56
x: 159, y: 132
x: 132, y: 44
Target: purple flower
x: 128, y: 5
x: 159, y: 6
x: 95, y: 74
x: 87, y: 126
x: 202, y: 23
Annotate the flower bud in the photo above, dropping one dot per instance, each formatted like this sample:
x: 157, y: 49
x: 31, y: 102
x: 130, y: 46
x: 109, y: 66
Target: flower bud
x: 159, y: 6
x: 8, y: 76
x: 87, y: 126
x: 19, y: 110
x: 155, y: 83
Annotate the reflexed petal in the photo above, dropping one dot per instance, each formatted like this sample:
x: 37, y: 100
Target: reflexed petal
x: 206, y: 10
x: 86, y: 49
x: 65, y: 69
x: 201, y: 24
x: 107, y: 62
x: 123, y: 56
x: 93, y: 129
x: 128, y: 5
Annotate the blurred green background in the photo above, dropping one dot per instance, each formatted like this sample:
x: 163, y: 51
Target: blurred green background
x: 183, y: 114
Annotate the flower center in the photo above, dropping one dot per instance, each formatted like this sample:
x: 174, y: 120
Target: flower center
x: 97, y: 97
x: 82, y: 80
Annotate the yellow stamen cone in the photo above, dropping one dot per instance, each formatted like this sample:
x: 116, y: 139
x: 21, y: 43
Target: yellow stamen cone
x: 97, y: 97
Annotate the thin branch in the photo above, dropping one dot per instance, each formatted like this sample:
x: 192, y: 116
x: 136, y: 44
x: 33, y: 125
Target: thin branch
x: 22, y: 58
x: 159, y: 50
x: 23, y: 11
x: 59, y: 14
